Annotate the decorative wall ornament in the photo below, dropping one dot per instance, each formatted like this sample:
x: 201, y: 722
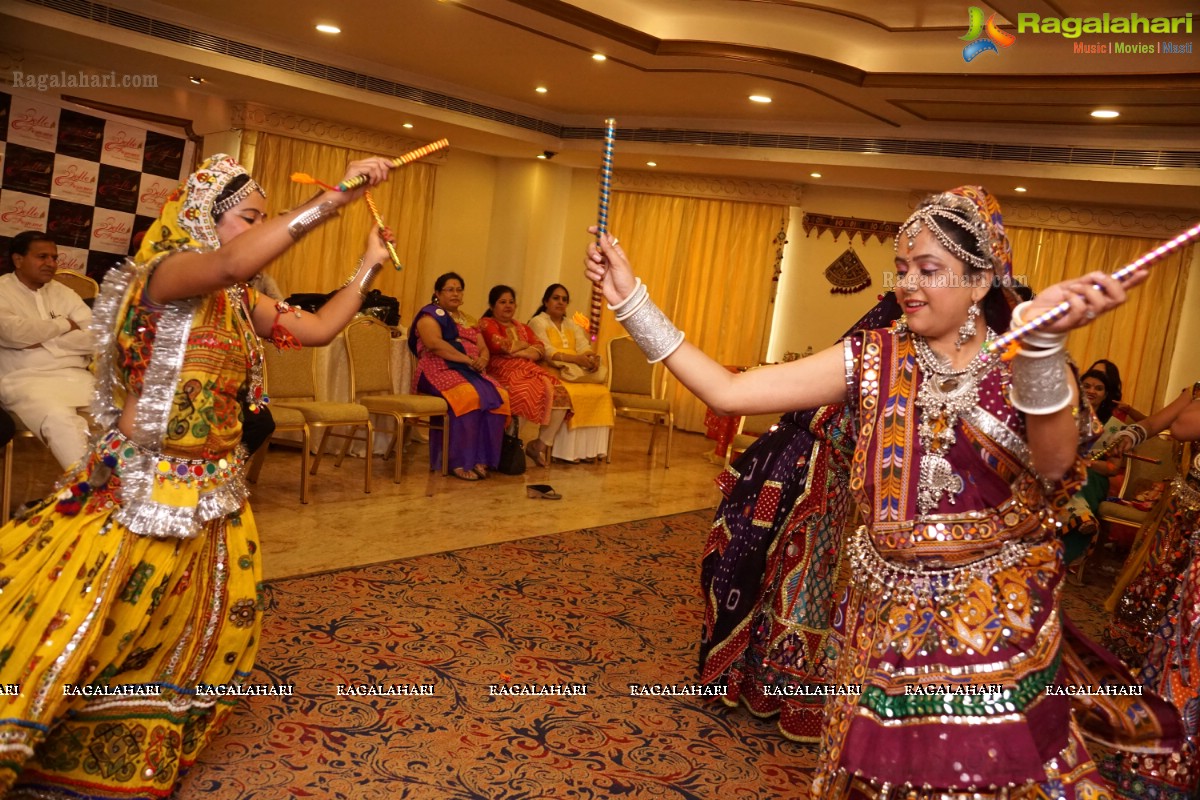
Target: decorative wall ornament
x: 847, y: 273
x: 866, y: 228
x: 780, y: 243
x: 254, y: 117
x: 777, y: 192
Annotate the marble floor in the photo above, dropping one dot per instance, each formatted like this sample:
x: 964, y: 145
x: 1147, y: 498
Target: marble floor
x: 426, y: 513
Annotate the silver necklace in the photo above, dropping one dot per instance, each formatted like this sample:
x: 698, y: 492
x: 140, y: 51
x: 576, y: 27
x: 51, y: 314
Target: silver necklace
x: 944, y: 396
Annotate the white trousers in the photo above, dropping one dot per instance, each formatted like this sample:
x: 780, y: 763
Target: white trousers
x: 48, y: 404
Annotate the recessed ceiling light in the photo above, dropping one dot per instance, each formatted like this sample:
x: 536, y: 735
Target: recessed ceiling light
x: 599, y: 57
x: 1105, y: 113
x: 814, y: 174
x: 651, y: 163
x: 196, y: 79
x: 1020, y: 189
x: 329, y: 29
x: 543, y: 156
x: 407, y: 125
x: 759, y: 98
x: 541, y: 90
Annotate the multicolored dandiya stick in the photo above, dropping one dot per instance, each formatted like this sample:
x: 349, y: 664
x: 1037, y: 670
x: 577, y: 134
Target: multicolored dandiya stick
x: 1001, y: 343
x: 606, y: 162
x: 398, y: 161
x: 391, y: 248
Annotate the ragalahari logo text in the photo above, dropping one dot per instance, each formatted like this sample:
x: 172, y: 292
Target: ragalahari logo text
x: 993, y: 37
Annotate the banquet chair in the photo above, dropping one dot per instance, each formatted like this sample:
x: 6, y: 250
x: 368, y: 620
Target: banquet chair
x: 82, y: 285
x: 636, y: 386
x: 1140, y: 475
x: 369, y: 349
x: 6, y: 475
x: 287, y: 420
x: 748, y: 430
x: 293, y: 385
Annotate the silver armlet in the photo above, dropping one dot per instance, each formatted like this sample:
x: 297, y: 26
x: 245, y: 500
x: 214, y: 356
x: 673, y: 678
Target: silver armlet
x: 306, y: 220
x: 1041, y: 381
x: 654, y: 333
x: 363, y: 276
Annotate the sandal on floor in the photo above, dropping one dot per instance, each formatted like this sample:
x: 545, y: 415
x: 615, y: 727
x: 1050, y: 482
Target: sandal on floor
x: 464, y: 474
x: 541, y: 491
x: 481, y: 470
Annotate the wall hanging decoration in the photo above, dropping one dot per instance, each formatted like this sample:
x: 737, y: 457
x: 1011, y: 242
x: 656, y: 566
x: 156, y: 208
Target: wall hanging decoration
x: 847, y: 273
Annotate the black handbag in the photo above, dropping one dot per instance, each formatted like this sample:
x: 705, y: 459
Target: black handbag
x: 512, y: 456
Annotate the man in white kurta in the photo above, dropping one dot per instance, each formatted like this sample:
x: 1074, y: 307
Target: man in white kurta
x: 45, y: 348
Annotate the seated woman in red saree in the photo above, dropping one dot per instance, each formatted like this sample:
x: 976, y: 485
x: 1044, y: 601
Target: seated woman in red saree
x: 516, y: 362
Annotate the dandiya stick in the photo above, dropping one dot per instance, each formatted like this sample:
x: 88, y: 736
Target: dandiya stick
x: 1002, y: 343
x: 379, y: 221
x: 610, y: 129
x: 398, y: 161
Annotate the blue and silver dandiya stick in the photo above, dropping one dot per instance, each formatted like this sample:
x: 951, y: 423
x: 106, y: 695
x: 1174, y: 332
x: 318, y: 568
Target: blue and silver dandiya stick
x: 1001, y: 343
x: 606, y: 163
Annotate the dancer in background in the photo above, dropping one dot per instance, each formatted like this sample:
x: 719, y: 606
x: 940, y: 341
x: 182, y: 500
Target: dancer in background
x: 138, y: 580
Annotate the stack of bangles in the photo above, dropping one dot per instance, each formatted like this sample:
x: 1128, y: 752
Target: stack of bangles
x: 648, y: 326
x: 1135, y: 433
x: 1041, y: 378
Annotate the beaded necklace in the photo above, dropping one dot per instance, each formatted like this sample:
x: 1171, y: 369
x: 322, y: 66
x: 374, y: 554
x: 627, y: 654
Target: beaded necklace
x: 944, y: 396
x: 236, y: 297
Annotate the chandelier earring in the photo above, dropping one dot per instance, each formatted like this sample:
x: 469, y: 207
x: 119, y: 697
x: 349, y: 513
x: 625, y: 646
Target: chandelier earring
x: 968, y: 330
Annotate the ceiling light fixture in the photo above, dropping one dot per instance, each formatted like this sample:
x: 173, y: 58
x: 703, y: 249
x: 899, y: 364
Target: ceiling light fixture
x: 541, y: 90
x: 196, y: 79
x: 759, y: 98
x: 1020, y: 189
x: 1105, y: 113
x: 329, y: 28
x: 547, y: 155
x: 407, y: 125
x: 651, y: 163
x: 814, y: 174
x: 599, y: 57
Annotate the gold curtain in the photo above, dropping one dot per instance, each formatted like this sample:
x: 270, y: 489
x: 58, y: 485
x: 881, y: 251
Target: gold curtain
x: 1139, y: 337
x: 708, y: 264
x: 325, y: 257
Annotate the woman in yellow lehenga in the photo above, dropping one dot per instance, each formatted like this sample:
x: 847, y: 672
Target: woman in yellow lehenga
x: 136, y: 581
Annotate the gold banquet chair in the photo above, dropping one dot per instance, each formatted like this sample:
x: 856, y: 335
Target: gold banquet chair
x: 82, y: 285
x: 369, y: 350
x: 635, y: 386
x: 286, y: 420
x: 293, y: 385
x: 6, y: 475
x: 1164, y: 453
x: 748, y: 430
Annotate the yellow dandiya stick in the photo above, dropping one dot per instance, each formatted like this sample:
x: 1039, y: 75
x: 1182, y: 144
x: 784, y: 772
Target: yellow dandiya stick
x: 398, y: 161
x: 1002, y: 344
x: 379, y: 221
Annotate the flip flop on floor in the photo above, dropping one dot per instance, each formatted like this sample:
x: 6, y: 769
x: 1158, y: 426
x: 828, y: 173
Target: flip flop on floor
x: 541, y: 491
x: 464, y: 474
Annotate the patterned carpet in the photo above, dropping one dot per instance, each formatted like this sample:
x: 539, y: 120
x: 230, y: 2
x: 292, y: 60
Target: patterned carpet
x: 607, y: 608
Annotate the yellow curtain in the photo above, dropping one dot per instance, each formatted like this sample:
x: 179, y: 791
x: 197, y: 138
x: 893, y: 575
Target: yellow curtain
x: 1139, y: 337
x: 325, y: 257
x: 708, y: 264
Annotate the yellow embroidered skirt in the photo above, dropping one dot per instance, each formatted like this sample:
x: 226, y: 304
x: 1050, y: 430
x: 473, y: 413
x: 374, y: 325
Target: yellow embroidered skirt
x: 104, y: 637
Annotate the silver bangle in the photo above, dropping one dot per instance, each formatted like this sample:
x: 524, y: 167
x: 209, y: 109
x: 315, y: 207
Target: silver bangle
x: 1039, y: 340
x: 654, y: 333
x: 310, y: 218
x: 364, y: 277
x: 1041, y: 381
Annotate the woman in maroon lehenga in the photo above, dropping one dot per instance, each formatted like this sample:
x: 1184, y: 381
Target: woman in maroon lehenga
x: 955, y: 667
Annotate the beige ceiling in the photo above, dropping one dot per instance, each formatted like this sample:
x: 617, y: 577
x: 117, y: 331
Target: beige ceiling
x: 884, y: 84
